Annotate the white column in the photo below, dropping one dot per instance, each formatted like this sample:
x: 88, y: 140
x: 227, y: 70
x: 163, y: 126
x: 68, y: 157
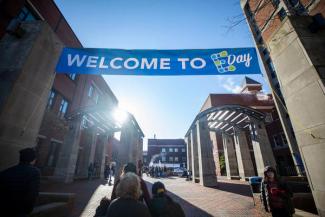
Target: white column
x: 245, y: 164
x: 207, y: 169
x: 262, y: 148
x: 230, y: 156
x: 195, y: 163
x: 189, y: 152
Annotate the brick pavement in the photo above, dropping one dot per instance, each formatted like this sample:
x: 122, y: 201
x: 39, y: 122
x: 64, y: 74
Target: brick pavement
x: 230, y: 199
x: 88, y: 194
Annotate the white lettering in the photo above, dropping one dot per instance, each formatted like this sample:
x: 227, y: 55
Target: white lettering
x: 164, y: 63
x: 112, y: 63
x: 231, y: 59
x: 128, y: 66
x: 92, y: 61
x: 101, y: 63
x: 148, y: 65
x: 248, y: 60
x: 76, y: 58
x: 242, y: 58
x: 183, y: 61
x: 202, y: 63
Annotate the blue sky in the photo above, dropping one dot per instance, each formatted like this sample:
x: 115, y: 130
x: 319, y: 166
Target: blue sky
x: 165, y: 106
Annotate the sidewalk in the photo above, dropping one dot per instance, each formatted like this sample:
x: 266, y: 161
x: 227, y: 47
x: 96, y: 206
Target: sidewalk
x: 88, y: 194
x: 231, y: 199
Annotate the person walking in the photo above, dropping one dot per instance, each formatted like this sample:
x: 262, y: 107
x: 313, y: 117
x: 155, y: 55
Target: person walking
x: 90, y: 171
x: 161, y: 205
x: 107, y: 171
x: 127, y: 203
x: 19, y: 186
x: 276, y: 195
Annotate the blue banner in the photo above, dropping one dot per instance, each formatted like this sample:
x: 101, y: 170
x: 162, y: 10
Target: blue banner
x: 228, y: 61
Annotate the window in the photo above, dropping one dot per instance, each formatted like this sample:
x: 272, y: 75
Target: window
x: 50, y: 102
x: 145, y: 160
x: 260, y: 41
x: 183, y: 159
x: 72, y: 76
x: 298, y: 7
x: 163, y: 150
x: 248, y: 10
x: 171, y: 149
x: 183, y: 149
x: 284, y: 139
x: 163, y: 159
x: 170, y: 159
x: 277, y: 140
x: 26, y: 15
x: 91, y: 91
x: 63, y: 108
x: 282, y: 14
x: 97, y: 98
x: 275, y: 3
x: 176, y: 149
x: 176, y: 159
x: 265, y: 52
x: 53, y: 154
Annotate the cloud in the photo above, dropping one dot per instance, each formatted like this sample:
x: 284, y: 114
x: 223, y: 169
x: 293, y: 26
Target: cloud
x: 230, y: 85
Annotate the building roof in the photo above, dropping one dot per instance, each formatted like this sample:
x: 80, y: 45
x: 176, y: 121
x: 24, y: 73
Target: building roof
x: 261, y: 102
x: 249, y: 81
x: 166, y: 142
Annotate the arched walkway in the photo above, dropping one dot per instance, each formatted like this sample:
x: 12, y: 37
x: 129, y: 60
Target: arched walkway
x: 245, y: 143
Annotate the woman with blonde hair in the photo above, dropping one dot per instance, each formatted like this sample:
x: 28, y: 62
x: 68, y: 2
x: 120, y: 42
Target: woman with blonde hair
x: 128, y: 192
x: 145, y: 196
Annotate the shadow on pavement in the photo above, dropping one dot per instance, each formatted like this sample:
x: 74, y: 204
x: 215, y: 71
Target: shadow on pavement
x: 235, y: 188
x: 189, y: 209
x: 83, y: 189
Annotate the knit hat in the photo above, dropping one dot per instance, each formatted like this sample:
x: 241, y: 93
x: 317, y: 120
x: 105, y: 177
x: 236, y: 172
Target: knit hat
x: 158, y: 188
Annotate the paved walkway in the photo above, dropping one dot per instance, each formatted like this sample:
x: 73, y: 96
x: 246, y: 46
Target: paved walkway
x: 230, y: 199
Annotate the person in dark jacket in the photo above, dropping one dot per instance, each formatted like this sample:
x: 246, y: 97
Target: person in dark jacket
x: 127, y: 203
x: 161, y: 205
x: 19, y: 186
x: 130, y: 167
x: 276, y: 195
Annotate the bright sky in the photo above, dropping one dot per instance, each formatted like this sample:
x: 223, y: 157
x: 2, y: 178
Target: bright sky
x: 165, y: 106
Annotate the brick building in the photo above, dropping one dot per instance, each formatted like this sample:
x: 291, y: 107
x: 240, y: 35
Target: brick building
x: 290, y: 39
x: 166, y: 152
x: 82, y: 102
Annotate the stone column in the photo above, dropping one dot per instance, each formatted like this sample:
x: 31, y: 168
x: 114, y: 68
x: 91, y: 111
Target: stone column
x: 68, y: 156
x: 245, y: 164
x: 195, y: 157
x: 207, y: 169
x: 189, y: 152
x: 216, y: 153
x: 298, y: 57
x: 93, y: 145
x: 124, y: 150
x: 262, y: 148
x: 230, y: 156
x: 27, y: 68
x: 103, y: 152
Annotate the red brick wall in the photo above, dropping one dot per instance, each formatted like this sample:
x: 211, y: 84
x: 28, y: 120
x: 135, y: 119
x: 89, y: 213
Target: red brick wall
x: 264, y: 13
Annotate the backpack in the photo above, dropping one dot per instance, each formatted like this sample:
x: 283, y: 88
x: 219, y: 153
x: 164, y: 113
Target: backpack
x: 101, y: 210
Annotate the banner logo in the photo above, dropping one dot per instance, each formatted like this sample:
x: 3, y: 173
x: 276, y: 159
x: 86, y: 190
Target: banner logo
x: 159, y: 62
